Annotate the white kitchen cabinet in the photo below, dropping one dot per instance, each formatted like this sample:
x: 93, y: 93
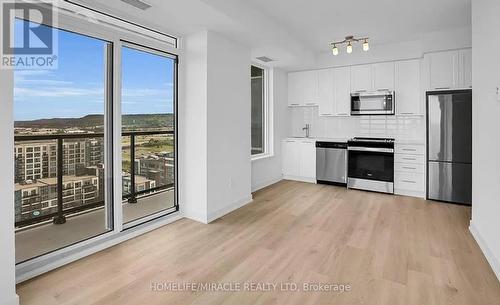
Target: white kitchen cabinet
x: 383, y: 76
x: 295, y: 97
x: 303, y: 88
x: 465, y: 78
x: 342, y: 91
x: 299, y: 159
x: 307, y: 160
x: 409, y: 170
x: 290, y: 158
x: 443, y: 70
x: 310, y: 93
x: 408, y: 96
x: 361, y: 78
x: 326, y: 92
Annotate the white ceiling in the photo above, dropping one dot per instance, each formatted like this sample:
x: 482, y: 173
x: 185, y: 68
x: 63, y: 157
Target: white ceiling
x: 292, y: 31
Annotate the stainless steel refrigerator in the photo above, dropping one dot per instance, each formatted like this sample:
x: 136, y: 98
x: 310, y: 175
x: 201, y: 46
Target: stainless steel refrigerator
x: 449, y: 146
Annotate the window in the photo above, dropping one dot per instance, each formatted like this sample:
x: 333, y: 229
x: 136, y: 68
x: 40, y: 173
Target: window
x: 259, y: 113
x: 148, y: 132
x: 76, y: 91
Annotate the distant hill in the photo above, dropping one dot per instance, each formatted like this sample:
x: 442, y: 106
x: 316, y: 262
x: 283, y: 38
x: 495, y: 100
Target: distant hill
x: 96, y: 120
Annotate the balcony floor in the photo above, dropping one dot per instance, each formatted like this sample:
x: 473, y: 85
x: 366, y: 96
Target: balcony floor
x: 49, y: 237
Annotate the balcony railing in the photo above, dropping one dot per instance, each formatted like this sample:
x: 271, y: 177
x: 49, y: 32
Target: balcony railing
x: 59, y: 217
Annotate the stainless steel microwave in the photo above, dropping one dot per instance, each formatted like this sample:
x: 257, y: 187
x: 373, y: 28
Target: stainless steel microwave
x: 370, y: 103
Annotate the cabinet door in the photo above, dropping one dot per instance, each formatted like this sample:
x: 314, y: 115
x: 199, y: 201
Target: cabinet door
x: 443, y: 70
x: 342, y: 91
x: 361, y: 78
x: 326, y: 94
x: 290, y: 158
x: 466, y: 68
x: 408, y: 97
x: 295, y: 97
x: 307, y: 159
x: 383, y: 76
x: 310, y: 93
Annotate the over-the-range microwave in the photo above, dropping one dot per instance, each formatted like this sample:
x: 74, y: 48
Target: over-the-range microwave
x: 371, y: 103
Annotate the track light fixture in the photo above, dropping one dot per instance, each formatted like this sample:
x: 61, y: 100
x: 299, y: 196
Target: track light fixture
x: 349, y: 40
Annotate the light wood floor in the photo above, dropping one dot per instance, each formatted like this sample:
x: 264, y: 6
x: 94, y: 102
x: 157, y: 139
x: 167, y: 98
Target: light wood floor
x: 390, y: 249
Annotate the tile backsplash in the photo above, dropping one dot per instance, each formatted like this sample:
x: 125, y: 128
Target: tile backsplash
x: 392, y: 126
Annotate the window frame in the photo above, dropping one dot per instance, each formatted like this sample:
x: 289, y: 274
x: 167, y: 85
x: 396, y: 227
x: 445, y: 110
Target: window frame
x: 70, y: 19
x: 267, y: 115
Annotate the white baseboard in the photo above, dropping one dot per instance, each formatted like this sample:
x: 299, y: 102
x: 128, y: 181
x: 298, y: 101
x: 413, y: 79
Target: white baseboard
x: 490, y: 257
x: 14, y: 300
x: 195, y: 215
x: 233, y: 206
x: 301, y: 179
x: 267, y: 183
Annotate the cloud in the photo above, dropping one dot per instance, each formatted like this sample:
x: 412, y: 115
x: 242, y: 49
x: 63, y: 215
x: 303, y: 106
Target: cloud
x: 23, y: 92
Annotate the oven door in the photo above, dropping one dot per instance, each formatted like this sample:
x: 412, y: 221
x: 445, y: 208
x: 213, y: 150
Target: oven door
x: 371, y: 164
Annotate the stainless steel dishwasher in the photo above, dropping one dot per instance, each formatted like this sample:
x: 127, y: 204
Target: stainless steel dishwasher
x: 331, y: 163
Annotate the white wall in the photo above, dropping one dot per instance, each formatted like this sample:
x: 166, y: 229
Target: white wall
x: 8, y: 294
x: 435, y: 41
x: 268, y: 170
x: 215, y: 173
x: 485, y: 224
x: 228, y: 114
x: 193, y: 128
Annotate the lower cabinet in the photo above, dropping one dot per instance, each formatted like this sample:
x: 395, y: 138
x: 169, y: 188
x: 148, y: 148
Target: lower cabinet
x: 409, y: 170
x: 299, y: 159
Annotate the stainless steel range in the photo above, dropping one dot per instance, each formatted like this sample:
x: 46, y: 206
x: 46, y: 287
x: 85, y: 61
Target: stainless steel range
x: 371, y: 164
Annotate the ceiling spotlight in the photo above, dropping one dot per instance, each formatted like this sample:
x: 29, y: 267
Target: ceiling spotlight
x: 366, y: 46
x: 349, y: 40
x: 335, y: 50
x: 349, y: 48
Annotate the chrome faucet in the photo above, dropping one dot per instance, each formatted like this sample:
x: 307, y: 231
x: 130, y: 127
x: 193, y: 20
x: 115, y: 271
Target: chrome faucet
x: 307, y: 130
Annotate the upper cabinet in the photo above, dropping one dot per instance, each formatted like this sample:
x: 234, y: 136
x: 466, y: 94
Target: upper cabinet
x: 449, y: 69
x: 465, y: 57
x: 326, y: 101
x: 407, y: 83
x: 383, y: 76
x: 361, y: 78
x: 373, y: 77
x: 342, y: 91
x: 303, y: 88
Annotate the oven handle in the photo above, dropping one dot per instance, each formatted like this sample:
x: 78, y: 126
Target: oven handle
x: 370, y: 149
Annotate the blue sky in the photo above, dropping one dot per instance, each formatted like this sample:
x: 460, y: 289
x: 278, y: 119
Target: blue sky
x: 76, y: 87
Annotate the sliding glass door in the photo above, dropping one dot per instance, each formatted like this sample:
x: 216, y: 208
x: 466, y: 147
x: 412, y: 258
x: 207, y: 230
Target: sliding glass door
x: 62, y: 133
x: 148, y: 133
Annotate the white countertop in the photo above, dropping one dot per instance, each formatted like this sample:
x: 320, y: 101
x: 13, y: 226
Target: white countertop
x: 344, y: 140
x: 410, y: 141
x: 339, y: 140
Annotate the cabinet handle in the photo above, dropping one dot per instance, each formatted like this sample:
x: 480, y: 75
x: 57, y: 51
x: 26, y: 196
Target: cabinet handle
x: 407, y: 167
x: 411, y: 159
x: 383, y: 89
x: 409, y: 181
x: 341, y: 113
x: 326, y: 114
x: 442, y: 88
x: 406, y: 113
